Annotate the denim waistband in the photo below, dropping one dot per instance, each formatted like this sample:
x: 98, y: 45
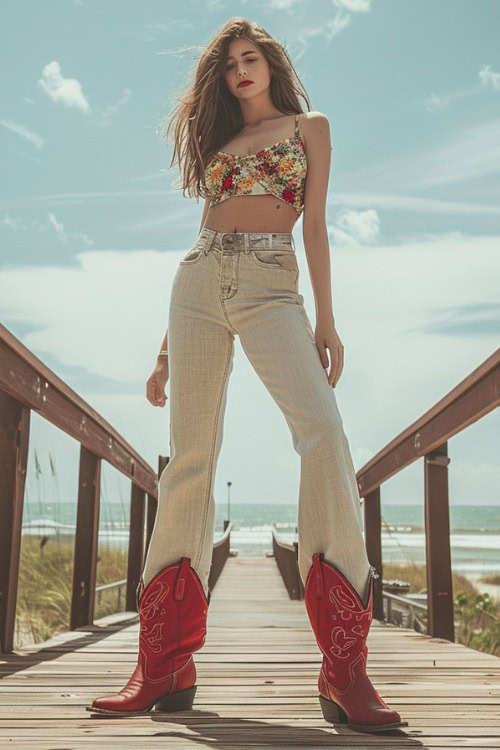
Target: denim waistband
x: 234, y: 242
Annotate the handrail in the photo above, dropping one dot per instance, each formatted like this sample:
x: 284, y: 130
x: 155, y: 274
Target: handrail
x: 476, y: 395
x: 405, y: 600
x: 412, y: 621
x: 33, y: 385
x: 286, y: 556
x: 110, y: 586
x: 220, y: 553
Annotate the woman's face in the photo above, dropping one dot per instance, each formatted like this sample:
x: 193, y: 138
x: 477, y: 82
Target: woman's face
x: 245, y: 62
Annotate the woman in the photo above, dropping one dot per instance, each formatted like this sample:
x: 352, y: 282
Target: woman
x: 245, y: 145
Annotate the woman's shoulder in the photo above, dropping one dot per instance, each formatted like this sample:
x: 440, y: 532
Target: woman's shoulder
x: 312, y: 120
x: 313, y: 124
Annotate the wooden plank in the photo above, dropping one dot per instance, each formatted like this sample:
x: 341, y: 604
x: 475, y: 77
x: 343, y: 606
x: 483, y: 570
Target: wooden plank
x: 257, y: 682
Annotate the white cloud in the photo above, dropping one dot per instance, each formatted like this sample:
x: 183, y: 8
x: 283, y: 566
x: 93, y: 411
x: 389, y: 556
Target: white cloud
x: 489, y: 78
x: 336, y: 25
x: 438, y: 102
x: 330, y: 27
x: 60, y: 89
x: 110, y: 111
x: 363, y: 198
x: 359, y: 227
x: 22, y: 131
x: 101, y: 196
x: 471, y: 152
x: 354, y: 6
x: 14, y: 223
x: 65, y: 236
x: 57, y: 226
x: 283, y: 4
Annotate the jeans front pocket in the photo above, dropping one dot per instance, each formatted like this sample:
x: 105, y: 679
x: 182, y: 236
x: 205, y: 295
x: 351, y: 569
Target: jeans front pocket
x: 280, y: 259
x: 193, y: 255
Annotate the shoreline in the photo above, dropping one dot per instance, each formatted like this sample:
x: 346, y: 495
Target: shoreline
x: 485, y: 588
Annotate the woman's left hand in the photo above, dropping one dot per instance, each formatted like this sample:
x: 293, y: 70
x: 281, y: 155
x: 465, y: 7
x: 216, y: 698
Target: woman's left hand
x: 328, y: 338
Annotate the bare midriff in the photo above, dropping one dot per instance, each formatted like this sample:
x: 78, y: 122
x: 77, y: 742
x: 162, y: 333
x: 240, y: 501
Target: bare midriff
x: 251, y: 213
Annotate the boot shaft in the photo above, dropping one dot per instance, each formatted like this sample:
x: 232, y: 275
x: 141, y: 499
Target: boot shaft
x: 338, y: 617
x: 173, y: 615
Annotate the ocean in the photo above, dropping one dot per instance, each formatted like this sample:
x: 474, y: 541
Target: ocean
x: 475, y: 530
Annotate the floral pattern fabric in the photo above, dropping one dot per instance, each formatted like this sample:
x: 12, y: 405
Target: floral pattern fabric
x: 279, y: 170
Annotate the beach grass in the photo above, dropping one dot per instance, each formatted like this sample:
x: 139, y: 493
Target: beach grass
x: 476, y: 614
x: 415, y: 575
x: 45, y: 585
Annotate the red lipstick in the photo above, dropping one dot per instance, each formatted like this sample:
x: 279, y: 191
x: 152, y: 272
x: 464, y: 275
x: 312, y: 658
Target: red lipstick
x: 244, y: 83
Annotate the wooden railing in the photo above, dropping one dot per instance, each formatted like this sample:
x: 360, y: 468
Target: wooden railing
x: 406, y: 614
x: 286, y: 556
x: 114, y: 585
x: 475, y: 396
x: 427, y: 437
x: 27, y: 385
x: 221, y: 551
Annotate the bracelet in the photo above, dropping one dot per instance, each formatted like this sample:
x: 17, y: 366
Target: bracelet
x: 163, y: 353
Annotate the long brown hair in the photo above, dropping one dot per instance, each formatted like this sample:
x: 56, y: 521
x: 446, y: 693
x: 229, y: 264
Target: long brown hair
x: 208, y: 115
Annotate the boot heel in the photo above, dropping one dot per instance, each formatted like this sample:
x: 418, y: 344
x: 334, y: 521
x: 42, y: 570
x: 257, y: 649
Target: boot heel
x: 332, y: 711
x: 181, y: 701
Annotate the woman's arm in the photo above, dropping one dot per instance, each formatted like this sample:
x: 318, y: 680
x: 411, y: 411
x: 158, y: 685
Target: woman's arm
x: 315, y: 233
x: 316, y: 130
x: 164, y: 343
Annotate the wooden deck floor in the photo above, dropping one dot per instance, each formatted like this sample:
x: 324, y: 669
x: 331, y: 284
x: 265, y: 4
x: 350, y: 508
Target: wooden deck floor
x: 257, y: 684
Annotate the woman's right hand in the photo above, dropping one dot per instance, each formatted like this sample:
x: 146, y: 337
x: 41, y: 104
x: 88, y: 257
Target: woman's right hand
x: 155, y: 386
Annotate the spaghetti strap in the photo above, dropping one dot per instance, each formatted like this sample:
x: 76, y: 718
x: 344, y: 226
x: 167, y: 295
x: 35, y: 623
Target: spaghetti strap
x: 297, y: 124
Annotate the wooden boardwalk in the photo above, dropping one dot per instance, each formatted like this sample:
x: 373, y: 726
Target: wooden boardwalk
x: 257, y: 682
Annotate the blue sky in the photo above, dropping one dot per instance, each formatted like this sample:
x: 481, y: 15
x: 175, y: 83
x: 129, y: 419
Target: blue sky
x: 91, y: 229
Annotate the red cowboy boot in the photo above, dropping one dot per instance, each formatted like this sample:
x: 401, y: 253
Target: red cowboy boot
x: 172, y: 613
x: 341, y: 623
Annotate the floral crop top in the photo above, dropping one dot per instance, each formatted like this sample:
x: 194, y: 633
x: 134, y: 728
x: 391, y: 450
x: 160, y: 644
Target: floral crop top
x: 278, y: 170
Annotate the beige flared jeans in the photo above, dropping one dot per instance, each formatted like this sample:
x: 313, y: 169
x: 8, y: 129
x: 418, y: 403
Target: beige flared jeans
x: 246, y: 284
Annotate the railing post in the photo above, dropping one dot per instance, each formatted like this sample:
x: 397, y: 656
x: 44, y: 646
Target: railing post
x: 86, y: 540
x: 135, y: 546
x: 14, y: 439
x: 373, y: 543
x: 152, y: 508
x: 299, y: 586
x: 437, y: 545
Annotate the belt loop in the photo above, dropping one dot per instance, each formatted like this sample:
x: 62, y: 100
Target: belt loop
x: 209, y: 241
